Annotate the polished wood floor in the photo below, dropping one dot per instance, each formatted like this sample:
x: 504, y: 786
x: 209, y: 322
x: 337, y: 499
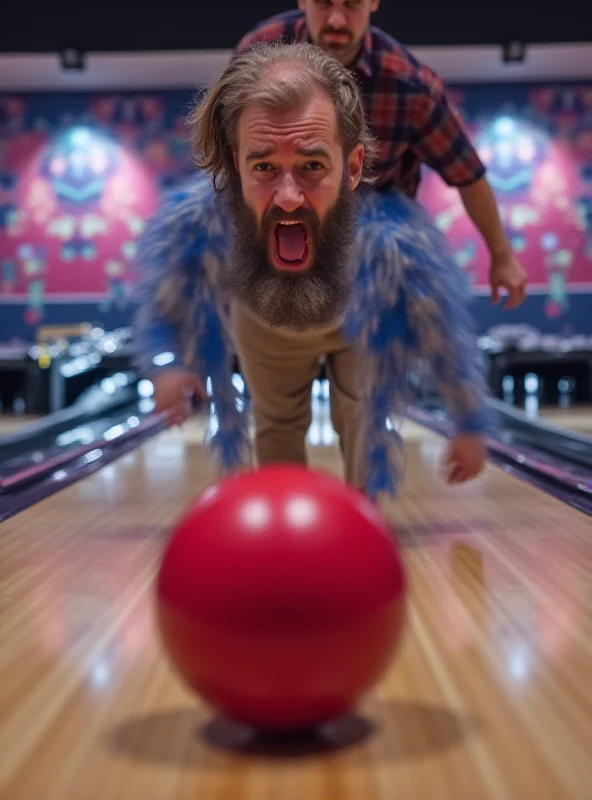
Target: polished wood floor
x: 490, y: 697
x: 12, y: 422
x: 577, y: 419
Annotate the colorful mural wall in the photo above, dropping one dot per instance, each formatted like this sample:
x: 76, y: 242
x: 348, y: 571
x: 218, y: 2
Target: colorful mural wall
x: 537, y: 145
x: 80, y: 174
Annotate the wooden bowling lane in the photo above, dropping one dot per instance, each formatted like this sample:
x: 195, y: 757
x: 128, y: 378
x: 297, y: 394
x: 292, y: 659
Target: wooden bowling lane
x: 490, y: 698
x: 9, y: 423
x: 577, y: 419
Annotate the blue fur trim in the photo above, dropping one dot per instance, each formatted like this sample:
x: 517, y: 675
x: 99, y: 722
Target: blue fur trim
x: 181, y: 309
x: 408, y: 308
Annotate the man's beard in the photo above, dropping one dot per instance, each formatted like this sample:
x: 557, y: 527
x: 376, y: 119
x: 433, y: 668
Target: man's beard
x: 298, y: 301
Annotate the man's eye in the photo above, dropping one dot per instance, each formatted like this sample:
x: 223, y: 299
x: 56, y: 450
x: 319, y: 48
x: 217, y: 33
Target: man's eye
x: 314, y: 166
x: 263, y: 167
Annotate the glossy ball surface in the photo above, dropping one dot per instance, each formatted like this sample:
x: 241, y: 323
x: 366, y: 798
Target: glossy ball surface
x: 281, y: 597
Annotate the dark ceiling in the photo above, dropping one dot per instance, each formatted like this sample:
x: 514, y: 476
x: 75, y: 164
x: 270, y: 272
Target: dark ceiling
x: 107, y: 25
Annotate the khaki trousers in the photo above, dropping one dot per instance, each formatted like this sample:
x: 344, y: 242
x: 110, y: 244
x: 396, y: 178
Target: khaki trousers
x: 279, y: 368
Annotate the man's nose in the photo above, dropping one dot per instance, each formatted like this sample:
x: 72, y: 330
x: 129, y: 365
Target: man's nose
x: 337, y: 20
x: 288, y: 195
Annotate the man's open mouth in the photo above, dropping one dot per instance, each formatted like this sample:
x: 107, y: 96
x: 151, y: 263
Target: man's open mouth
x: 291, y: 250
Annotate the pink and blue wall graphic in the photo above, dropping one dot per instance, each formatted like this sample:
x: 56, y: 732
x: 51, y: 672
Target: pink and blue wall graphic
x: 79, y: 177
x: 536, y: 142
x: 80, y: 174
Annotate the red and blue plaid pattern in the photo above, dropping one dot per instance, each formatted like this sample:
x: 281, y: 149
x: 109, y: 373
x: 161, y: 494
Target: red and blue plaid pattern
x: 408, y: 110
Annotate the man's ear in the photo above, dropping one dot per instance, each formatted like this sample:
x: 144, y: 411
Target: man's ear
x: 355, y: 165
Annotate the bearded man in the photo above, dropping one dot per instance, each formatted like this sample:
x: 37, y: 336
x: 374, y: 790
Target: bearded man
x: 281, y: 252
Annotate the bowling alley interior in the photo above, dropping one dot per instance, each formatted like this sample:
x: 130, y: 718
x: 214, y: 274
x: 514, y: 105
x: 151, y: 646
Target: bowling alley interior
x: 171, y: 632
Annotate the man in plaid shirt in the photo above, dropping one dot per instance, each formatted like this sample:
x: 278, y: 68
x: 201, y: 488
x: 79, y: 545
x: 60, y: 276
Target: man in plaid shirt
x: 409, y: 114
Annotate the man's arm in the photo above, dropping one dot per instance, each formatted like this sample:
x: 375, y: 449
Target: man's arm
x: 442, y: 143
x: 156, y: 340
x: 265, y: 33
x: 505, y: 270
x: 155, y: 336
x: 284, y: 27
x: 157, y: 325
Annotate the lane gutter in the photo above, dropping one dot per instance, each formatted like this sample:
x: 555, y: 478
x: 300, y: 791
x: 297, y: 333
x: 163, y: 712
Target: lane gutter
x: 522, y: 465
x: 35, y: 486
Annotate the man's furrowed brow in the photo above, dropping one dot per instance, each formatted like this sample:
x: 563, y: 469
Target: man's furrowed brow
x: 314, y: 151
x: 259, y: 155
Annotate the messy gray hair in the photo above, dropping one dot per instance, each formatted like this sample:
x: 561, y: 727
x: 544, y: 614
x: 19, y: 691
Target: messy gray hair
x: 255, y: 77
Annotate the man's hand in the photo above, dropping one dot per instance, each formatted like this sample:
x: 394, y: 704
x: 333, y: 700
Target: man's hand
x: 506, y: 272
x: 465, y: 458
x: 173, y: 391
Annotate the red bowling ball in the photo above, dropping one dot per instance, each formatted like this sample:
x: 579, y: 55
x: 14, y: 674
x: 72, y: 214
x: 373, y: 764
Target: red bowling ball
x: 281, y: 597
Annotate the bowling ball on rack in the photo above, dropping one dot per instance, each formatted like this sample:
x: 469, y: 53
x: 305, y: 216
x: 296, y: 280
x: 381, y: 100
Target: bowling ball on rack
x: 281, y: 597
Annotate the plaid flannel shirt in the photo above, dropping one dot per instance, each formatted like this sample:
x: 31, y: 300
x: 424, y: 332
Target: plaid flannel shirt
x: 406, y: 104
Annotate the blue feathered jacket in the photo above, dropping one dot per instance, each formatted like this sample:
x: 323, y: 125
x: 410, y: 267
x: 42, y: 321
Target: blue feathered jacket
x: 407, y: 311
